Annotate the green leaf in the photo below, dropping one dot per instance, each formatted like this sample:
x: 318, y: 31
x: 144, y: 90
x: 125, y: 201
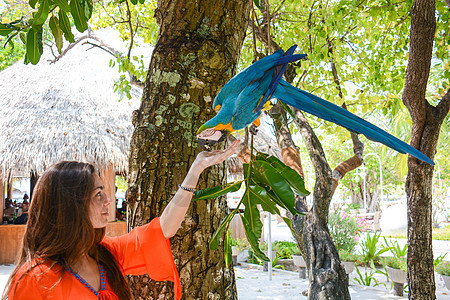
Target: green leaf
x: 253, y: 239
x: 278, y: 201
x: 23, y: 38
x: 64, y: 24
x: 78, y: 15
x: 251, y: 212
x: 214, y: 242
x: 257, y: 3
x: 42, y: 13
x: 217, y: 191
x: 259, y: 195
x: 292, y: 177
x: 63, y: 5
x: 5, y: 29
x: 227, y: 248
x: 288, y: 110
x: 141, y: 1
x: 57, y: 33
x: 34, y: 44
x: 88, y: 7
x: 32, y: 3
x: 134, y: 1
x: 268, y: 175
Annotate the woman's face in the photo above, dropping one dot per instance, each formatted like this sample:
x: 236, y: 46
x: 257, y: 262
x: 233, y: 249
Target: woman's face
x: 98, y: 208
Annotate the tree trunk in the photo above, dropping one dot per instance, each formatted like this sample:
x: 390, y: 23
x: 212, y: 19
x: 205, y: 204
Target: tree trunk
x: 196, y: 53
x: 427, y: 121
x: 327, y: 276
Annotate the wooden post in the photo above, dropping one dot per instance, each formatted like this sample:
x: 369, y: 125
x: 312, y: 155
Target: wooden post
x: 2, y: 197
x: 9, y: 186
x: 33, y: 180
x: 108, y: 177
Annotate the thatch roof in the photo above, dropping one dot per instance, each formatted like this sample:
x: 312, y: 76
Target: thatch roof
x: 64, y: 111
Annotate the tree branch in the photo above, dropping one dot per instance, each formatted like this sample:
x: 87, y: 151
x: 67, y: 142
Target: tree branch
x: 323, y: 187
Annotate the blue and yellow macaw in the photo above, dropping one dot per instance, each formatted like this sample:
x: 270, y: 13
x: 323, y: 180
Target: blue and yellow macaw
x: 241, y: 101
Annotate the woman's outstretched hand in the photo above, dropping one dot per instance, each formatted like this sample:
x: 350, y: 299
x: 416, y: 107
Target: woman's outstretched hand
x: 207, y: 159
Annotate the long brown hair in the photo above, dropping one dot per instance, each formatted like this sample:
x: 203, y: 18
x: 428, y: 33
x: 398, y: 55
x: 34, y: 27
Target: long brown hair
x: 59, y: 227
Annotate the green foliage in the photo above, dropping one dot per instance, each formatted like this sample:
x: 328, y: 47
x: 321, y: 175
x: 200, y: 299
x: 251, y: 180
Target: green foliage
x: 395, y: 263
x: 349, y: 256
x: 439, y: 259
x: 344, y: 231
x: 368, y: 278
x: 286, y: 249
x: 370, y: 251
x: 395, y: 248
x: 241, y: 244
x: 441, y: 233
x: 269, y: 183
x: 443, y: 268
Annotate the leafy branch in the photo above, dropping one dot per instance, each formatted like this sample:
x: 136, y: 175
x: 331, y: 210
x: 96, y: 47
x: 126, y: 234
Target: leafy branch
x: 268, y: 182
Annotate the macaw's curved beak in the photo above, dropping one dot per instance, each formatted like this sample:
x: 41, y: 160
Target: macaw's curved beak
x: 209, y: 137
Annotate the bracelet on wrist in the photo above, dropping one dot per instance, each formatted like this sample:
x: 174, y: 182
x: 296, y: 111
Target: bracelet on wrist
x: 187, y: 189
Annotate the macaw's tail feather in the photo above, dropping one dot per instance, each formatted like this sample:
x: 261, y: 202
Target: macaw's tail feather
x: 328, y: 111
x: 280, y: 67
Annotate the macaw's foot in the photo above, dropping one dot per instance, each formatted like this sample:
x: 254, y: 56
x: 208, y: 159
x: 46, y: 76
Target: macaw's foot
x: 253, y: 129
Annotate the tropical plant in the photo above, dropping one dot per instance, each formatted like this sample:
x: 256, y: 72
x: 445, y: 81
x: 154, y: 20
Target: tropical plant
x: 370, y: 251
x: 443, y: 268
x: 368, y: 277
x: 268, y: 182
x: 439, y: 259
x: 395, y: 248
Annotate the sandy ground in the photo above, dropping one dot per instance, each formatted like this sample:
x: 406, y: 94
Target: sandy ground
x: 253, y: 283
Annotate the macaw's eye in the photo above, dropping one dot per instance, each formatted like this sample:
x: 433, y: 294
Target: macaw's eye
x: 217, y: 108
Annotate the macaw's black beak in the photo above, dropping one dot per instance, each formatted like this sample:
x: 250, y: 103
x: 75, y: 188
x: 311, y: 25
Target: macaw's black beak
x: 210, y: 137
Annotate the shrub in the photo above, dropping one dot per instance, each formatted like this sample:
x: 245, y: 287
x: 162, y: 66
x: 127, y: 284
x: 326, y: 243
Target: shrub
x: 241, y: 244
x: 285, y: 249
x: 344, y: 231
x: 394, y: 262
x: 347, y: 256
x: 443, y: 268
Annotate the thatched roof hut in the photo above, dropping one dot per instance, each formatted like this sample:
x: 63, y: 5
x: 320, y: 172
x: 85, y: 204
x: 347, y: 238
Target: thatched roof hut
x: 65, y: 110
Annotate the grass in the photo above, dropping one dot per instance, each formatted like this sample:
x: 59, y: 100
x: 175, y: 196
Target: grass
x: 442, y: 234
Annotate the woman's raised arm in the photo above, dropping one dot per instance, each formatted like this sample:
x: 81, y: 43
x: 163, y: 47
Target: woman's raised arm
x: 175, y: 211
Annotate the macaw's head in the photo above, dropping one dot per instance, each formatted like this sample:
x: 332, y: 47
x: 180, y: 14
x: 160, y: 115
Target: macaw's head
x: 211, y: 133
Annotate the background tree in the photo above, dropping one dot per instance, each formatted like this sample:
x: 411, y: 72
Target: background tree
x: 427, y: 120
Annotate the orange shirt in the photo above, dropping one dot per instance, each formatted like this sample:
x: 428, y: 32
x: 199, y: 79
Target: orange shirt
x: 142, y: 251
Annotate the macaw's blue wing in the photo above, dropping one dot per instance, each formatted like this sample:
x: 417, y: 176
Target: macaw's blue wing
x: 314, y: 105
x: 231, y: 90
x: 280, y: 67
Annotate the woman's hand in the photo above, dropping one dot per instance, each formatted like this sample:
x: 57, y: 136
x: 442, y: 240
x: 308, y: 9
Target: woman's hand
x: 207, y: 159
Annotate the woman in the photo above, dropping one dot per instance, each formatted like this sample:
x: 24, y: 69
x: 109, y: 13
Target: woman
x: 65, y: 254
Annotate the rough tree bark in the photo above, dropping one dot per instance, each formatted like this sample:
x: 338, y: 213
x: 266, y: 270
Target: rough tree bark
x: 427, y: 121
x: 196, y: 53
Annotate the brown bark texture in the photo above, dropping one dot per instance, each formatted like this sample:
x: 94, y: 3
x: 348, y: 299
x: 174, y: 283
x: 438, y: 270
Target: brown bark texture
x: 196, y: 53
x: 328, y: 279
x: 427, y: 121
